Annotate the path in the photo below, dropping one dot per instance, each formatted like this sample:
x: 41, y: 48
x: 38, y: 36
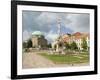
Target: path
x: 34, y: 60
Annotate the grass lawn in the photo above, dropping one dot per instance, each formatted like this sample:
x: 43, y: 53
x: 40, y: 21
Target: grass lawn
x: 68, y: 59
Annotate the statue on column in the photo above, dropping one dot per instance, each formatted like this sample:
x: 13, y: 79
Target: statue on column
x: 57, y: 45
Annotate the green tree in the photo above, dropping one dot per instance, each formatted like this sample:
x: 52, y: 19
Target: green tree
x: 74, y: 46
x: 24, y: 44
x: 67, y: 45
x: 49, y: 45
x: 84, y: 44
x: 29, y: 43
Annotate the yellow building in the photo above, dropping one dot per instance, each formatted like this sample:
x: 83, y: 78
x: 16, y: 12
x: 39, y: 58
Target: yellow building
x: 77, y: 38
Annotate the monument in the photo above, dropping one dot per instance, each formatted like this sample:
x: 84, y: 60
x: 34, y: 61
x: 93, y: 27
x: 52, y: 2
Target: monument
x: 57, y: 45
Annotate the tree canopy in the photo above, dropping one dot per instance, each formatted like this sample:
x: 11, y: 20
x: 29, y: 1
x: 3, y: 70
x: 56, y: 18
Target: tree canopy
x: 84, y: 44
x: 73, y: 46
x: 27, y: 44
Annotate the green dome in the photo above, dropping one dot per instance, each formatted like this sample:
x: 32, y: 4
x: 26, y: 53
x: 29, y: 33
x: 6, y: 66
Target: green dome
x: 37, y: 33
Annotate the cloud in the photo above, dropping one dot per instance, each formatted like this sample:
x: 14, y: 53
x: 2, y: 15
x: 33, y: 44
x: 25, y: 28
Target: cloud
x: 26, y: 35
x: 79, y: 22
x: 29, y: 20
x: 51, y: 36
x: 46, y: 22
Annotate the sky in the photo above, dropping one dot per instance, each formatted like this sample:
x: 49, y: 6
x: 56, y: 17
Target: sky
x: 46, y: 22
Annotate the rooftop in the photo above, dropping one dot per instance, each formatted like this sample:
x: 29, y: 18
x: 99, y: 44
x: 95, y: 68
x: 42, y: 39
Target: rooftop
x: 37, y: 33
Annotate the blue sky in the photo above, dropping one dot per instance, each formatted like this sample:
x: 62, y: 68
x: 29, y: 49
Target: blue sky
x: 46, y: 22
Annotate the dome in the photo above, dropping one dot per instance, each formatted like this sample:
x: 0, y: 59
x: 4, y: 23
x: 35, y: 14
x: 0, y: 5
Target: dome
x: 37, y: 33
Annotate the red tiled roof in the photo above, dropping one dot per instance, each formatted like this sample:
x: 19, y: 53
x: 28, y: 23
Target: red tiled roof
x: 77, y: 34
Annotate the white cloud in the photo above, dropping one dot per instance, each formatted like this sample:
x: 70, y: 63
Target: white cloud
x: 50, y: 36
x: 76, y: 22
x: 26, y: 35
x: 46, y: 18
x: 47, y: 22
x: 79, y: 22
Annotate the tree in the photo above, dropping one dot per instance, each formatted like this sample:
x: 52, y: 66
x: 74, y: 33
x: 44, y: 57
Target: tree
x: 84, y: 44
x: 29, y: 43
x: 67, y: 45
x: 74, y: 46
x: 24, y: 44
x: 49, y: 45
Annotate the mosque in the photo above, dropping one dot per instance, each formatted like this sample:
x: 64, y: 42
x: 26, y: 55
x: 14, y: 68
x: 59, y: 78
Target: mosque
x: 38, y: 40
